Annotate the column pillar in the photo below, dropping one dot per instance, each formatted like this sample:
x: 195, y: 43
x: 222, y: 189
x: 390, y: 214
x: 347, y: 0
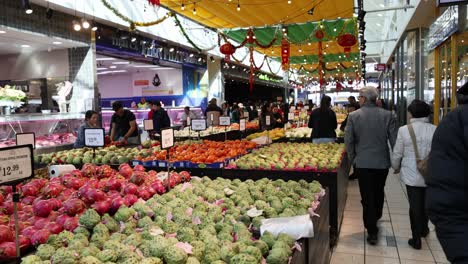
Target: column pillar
x: 215, y: 80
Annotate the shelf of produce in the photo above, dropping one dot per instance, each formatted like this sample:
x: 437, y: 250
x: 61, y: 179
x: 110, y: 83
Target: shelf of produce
x: 336, y: 182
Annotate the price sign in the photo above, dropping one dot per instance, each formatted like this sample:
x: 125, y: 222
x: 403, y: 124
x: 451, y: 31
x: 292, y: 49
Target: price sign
x: 211, y: 118
x: 167, y: 138
x: 26, y: 139
x: 246, y: 115
x: 16, y: 164
x: 94, y: 137
x: 188, y: 120
x: 148, y: 124
x: 242, y: 124
x: 224, y: 121
x: 290, y: 116
x: 267, y: 120
x: 198, y: 124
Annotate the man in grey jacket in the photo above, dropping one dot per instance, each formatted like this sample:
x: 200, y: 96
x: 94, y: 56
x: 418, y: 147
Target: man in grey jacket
x: 367, y: 134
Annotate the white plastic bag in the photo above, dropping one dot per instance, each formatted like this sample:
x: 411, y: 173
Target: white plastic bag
x: 297, y: 226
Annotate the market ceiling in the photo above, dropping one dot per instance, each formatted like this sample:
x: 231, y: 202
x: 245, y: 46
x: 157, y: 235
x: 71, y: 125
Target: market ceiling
x: 268, y: 18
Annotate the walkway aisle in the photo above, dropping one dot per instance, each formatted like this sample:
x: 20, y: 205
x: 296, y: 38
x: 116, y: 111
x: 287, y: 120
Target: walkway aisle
x: 395, y: 231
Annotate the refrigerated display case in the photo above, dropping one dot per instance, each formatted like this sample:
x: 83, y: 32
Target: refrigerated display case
x: 53, y: 132
x: 175, y: 114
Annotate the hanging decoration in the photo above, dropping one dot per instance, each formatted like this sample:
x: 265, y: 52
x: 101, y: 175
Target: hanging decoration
x: 134, y: 24
x: 177, y: 21
x: 347, y: 41
x: 154, y: 2
x: 227, y: 49
x: 319, y: 35
x: 285, y: 51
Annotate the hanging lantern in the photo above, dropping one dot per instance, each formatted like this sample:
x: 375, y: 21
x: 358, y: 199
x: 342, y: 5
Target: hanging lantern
x: 347, y: 41
x: 227, y: 49
x: 319, y: 34
x: 285, y: 50
x: 250, y: 36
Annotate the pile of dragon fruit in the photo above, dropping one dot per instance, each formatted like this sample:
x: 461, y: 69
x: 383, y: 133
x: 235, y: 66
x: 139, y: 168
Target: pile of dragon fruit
x: 49, y: 206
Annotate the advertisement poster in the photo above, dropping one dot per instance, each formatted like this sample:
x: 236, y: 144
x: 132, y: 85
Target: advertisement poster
x: 157, y: 83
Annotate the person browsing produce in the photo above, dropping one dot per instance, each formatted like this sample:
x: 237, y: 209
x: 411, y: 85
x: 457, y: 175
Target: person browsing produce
x: 124, y: 126
x: 91, y: 119
x: 160, y: 117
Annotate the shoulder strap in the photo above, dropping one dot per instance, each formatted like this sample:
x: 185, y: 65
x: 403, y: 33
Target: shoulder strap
x: 413, y: 139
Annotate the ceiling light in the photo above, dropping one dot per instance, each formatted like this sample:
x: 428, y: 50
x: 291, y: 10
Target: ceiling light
x: 212, y: 59
x: 309, y: 43
x: 382, y: 5
x: 94, y: 28
x: 144, y: 66
x: 121, y: 62
x: 194, y: 8
x: 85, y: 23
x: 182, y: 7
x: 379, y: 15
x: 27, y: 7
x: 300, y: 50
x: 101, y: 68
x: 311, y: 11
x: 133, y: 39
x: 284, y: 29
x: 191, y: 55
x: 56, y: 42
x: 238, y: 6
x: 112, y: 66
x: 2, y: 32
x: 199, y: 59
x: 171, y: 50
x: 25, y: 46
x: 76, y: 26
x: 334, y: 29
x: 378, y: 24
x: 105, y: 59
x: 289, y: 2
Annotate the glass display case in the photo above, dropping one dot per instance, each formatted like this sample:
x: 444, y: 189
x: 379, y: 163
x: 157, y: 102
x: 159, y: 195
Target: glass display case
x: 175, y: 114
x: 53, y: 131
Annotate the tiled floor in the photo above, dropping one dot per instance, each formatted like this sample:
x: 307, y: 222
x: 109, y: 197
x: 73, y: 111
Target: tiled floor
x: 395, y: 231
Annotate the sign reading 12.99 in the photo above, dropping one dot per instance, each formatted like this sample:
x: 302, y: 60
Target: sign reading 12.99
x: 16, y: 164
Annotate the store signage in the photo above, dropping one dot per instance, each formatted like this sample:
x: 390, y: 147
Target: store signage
x: 451, y: 2
x: 148, y: 124
x: 224, y: 121
x: 242, y: 124
x: 167, y: 138
x: 380, y: 67
x: 16, y: 164
x: 198, y: 124
x: 443, y: 27
x: 94, y: 137
x: 26, y: 139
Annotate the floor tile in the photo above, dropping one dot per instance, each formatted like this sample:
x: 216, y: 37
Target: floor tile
x: 439, y: 256
x: 411, y: 261
x: 433, y: 244
x: 344, y: 258
x: 409, y: 253
x: 351, y: 238
x: 381, y: 260
x: 402, y: 242
x: 351, y: 248
x: 381, y: 251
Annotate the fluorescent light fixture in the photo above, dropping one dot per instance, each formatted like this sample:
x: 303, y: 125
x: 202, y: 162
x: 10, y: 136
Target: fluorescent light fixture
x: 25, y: 46
x: 56, y: 42
x: 379, y: 15
x: 85, y: 23
x: 117, y: 71
x: 145, y: 66
x: 121, y: 62
x: 171, y: 50
x: 105, y: 59
x: 112, y: 66
x: 2, y: 32
x: 160, y: 69
x: 101, y: 68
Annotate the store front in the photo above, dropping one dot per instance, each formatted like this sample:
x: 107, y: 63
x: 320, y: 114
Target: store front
x: 132, y: 68
x: 46, y: 77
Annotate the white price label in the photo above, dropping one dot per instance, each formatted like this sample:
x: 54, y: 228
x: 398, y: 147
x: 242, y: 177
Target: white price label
x: 16, y: 163
x: 26, y: 139
x: 188, y: 120
x: 94, y: 137
x: 198, y: 124
x: 224, y: 121
x: 167, y: 138
x: 246, y: 115
x: 211, y: 118
x: 148, y: 124
x: 267, y: 120
x: 290, y: 116
x: 242, y: 124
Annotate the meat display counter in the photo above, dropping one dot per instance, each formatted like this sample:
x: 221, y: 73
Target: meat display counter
x: 53, y: 132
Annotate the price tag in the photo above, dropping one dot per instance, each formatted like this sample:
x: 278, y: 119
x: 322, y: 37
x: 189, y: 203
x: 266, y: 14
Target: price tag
x: 148, y: 124
x: 16, y: 164
x: 290, y: 116
x: 26, y: 139
x: 246, y: 115
x: 167, y: 138
x: 198, y: 124
x: 94, y: 137
x: 188, y: 120
x: 242, y: 124
x: 307, y: 107
x: 211, y: 118
x: 267, y: 120
x: 224, y: 121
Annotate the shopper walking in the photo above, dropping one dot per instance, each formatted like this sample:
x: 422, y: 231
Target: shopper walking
x: 350, y: 108
x: 213, y: 107
x: 236, y: 114
x: 278, y: 117
x: 367, y: 134
x: 123, y: 125
x: 447, y: 184
x: 414, y: 143
x: 91, y: 121
x: 267, y: 120
x: 323, y: 122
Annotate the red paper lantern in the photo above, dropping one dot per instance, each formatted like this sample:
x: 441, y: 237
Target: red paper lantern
x: 347, y: 41
x: 154, y: 2
x: 319, y: 34
x: 250, y: 36
x: 285, y: 51
x: 227, y: 49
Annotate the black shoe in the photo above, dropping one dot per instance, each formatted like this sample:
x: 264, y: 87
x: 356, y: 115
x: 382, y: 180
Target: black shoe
x: 415, y: 243
x: 372, y: 239
x: 425, y: 233
x: 353, y: 177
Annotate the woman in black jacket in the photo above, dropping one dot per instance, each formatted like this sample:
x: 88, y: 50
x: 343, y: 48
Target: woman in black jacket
x: 447, y: 185
x: 266, y: 112
x: 323, y: 122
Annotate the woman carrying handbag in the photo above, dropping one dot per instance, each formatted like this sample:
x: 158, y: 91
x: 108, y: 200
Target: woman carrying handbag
x: 411, y: 150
